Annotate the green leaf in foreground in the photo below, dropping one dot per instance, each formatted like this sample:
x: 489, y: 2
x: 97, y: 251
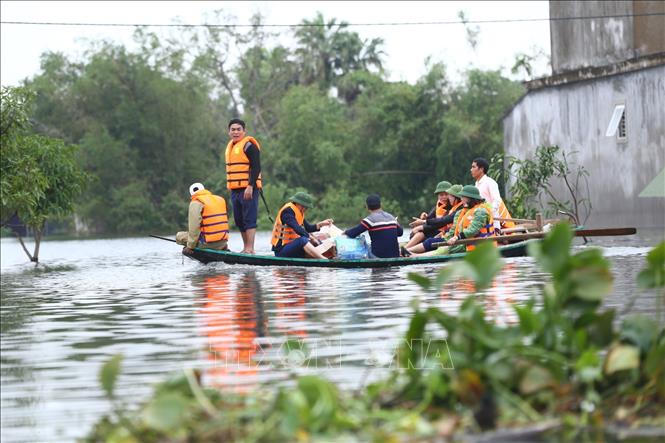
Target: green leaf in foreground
x: 108, y: 374
x: 620, y: 358
x: 167, y: 412
x: 653, y: 276
x: 486, y: 262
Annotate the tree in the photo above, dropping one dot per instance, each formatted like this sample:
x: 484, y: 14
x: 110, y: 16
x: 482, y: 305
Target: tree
x: 473, y: 125
x: 534, y: 180
x: 327, y: 51
x: 40, y: 177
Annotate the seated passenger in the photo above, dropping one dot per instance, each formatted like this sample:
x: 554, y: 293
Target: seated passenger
x: 420, y: 230
x: 207, y: 222
x: 474, y: 220
x: 384, y: 230
x: 442, y: 224
x: 291, y: 232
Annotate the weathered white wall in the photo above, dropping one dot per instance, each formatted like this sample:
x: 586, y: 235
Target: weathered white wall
x: 575, y: 116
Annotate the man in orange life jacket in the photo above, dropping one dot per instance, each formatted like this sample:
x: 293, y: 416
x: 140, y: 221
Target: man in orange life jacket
x: 208, y: 223
x: 489, y: 190
x: 243, y: 179
x: 291, y: 232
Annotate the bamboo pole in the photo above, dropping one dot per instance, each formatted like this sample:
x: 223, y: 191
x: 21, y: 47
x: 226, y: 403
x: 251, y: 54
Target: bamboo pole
x: 600, y: 232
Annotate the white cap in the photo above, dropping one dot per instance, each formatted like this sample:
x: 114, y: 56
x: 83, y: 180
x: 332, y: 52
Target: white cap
x: 195, y: 188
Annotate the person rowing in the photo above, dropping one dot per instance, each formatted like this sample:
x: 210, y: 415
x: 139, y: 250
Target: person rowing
x: 489, y: 190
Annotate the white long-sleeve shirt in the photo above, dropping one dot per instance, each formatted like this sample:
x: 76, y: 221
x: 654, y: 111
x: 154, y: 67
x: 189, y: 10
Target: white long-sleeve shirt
x: 489, y: 190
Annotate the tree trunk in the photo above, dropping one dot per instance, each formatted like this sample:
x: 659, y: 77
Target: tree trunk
x: 20, y: 240
x: 38, y: 240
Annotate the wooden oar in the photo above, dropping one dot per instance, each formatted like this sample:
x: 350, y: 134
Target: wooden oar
x: 529, y: 221
x: 162, y: 238
x: 601, y: 232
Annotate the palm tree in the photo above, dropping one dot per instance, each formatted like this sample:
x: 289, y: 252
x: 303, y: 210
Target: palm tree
x: 328, y: 50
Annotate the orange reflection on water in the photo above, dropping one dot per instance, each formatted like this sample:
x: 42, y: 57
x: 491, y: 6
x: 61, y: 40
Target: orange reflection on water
x: 289, y: 292
x: 233, y: 320
x: 497, y: 300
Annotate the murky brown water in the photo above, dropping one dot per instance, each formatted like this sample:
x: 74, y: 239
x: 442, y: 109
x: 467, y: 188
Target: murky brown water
x: 92, y: 299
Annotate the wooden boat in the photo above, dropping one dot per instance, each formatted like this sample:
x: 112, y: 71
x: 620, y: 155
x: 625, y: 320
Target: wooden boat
x: 517, y: 249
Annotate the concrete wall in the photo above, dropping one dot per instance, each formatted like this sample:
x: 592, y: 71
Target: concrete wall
x: 575, y: 116
x: 649, y: 31
x: 598, y: 42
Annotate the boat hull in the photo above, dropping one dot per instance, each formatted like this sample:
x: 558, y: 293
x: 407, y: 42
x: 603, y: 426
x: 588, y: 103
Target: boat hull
x: 210, y: 255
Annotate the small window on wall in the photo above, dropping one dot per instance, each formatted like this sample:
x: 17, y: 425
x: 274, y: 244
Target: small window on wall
x: 617, y: 123
x: 621, y: 132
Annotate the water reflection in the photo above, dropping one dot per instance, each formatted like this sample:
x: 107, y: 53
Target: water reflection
x: 289, y: 295
x: 100, y: 297
x: 232, y: 318
x: 497, y: 300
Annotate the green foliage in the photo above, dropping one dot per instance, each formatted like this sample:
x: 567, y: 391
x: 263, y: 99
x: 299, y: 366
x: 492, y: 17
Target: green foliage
x: 533, y: 180
x: 154, y: 119
x: 563, y: 357
x: 654, y: 274
x: 40, y: 176
x: 108, y: 374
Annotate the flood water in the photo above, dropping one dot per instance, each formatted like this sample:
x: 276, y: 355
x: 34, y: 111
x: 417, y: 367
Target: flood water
x: 91, y: 299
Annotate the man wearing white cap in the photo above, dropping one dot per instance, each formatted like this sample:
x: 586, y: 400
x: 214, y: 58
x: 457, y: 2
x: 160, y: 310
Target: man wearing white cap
x: 208, y: 222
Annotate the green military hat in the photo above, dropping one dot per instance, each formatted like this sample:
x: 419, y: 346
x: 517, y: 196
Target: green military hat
x: 471, y: 192
x: 455, y: 190
x: 303, y: 198
x: 442, y: 187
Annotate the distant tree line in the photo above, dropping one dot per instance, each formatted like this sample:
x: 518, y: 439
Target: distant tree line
x: 151, y: 121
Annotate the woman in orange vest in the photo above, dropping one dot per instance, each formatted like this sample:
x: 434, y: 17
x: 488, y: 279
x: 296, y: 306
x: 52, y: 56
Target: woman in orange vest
x: 208, y: 222
x: 442, y: 223
x: 420, y: 229
x: 243, y: 178
x: 475, y: 220
x: 291, y: 232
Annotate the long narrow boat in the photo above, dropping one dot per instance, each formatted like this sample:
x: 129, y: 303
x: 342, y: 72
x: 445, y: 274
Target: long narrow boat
x: 234, y: 258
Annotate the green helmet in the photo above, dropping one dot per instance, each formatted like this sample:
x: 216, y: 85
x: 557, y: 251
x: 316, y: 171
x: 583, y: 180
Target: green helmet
x: 303, y: 198
x: 442, y: 187
x: 471, y: 192
x: 455, y: 190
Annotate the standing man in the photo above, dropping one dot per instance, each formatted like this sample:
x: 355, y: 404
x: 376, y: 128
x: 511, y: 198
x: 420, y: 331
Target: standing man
x: 243, y: 179
x: 489, y: 190
x: 207, y: 222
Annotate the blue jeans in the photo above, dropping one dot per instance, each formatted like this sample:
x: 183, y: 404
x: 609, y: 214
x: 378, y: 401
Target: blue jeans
x: 245, y: 212
x: 293, y: 249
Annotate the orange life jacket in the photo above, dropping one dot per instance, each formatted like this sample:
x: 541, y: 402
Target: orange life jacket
x: 237, y: 164
x: 284, y: 232
x: 452, y: 210
x: 503, y: 213
x: 466, y: 217
x: 441, y: 209
x: 214, y: 219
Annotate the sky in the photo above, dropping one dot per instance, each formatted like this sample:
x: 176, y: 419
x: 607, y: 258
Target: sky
x: 406, y: 46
